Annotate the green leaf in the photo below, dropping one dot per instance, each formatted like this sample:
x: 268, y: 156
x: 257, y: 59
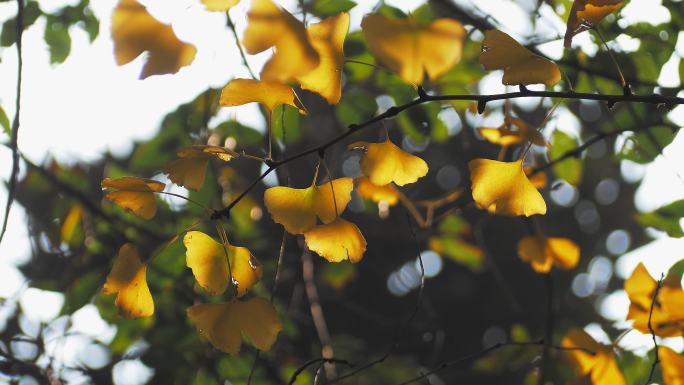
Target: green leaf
x: 644, y: 146
x: 9, y: 28
x: 4, y: 122
x: 356, y: 106
x: 569, y: 169
x: 286, y: 124
x: 458, y: 251
x: 665, y: 218
x: 58, y: 40
x: 325, y: 8
x: 81, y: 291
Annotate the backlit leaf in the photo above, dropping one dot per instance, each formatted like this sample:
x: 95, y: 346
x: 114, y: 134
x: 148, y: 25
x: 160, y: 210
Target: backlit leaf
x: 512, y: 131
x: 297, y: 209
x: 219, y: 5
x: 666, y: 218
x: 411, y: 48
x: 601, y: 366
x: 336, y: 241
x: 505, y: 185
x: 134, y: 31
x: 384, y: 163
x: 209, y: 260
x: 270, y: 26
x: 270, y: 94
x: 644, y: 146
x: 327, y: 38
x: 387, y: 193
x: 224, y: 324
x: 134, y: 194
x: 570, y: 169
x: 544, y: 252
x: 191, y: 168
x: 128, y: 281
x: 672, y: 364
x: 585, y: 14
x: 520, y: 66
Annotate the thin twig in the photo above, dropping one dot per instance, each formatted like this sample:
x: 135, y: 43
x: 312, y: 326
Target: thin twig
x: 231, y: 25
x: 656, y: 358
x: 316, y: 361
x: 623, y: 82
x: 656, y: 99
x: 317, y: 312
x: 15, y: 121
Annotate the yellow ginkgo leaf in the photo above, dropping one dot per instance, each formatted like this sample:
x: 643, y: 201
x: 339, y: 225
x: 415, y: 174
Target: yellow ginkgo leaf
x: 219, y: 5
x: 384, y: 163
x: 672, y: 364
x: 411, y: 48
x: 71, y: 231
x: 387, y: 194
x: 327, y: 38
x: 505, y: 185
x: 128, y: 279
x: 600, y: 366
x: 296, y: 209
x: 538, y: 179
x: 520, y: 66
x: 134, y: 31
x: 543, y: 252
x: 512, y: 131
x: 336, y: 241
x: 667, y: 317
x: 223, y: 324
x: 209, y: 261
x: 191, y: 168
x: 270, y: 26
x: 135, y: 194
x: 270, y: 94
x: 585, y: 14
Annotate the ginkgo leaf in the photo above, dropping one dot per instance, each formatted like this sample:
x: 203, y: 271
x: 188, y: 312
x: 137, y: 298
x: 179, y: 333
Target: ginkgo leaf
x: 336, y: 241
x: 512, y: 131
x: 543, y: 252
x: 585, y: 14
x: 387, y: 194
x: 520, y: 66
x: 411, y: 48
x: 191, y: 168
x: 505, y: 185
x: 270, y: 26
x: 600, y: 366
x: 270, y: 94
x: 327, y: 38
x: 209, y: 261
x: 384, y: 163
x: 129, y: 281
x: 224, y: 324
x: 667, y: 317
x: 135, y: 194
x: 538, y: 179
x: 672, y: 364
x: 296, y: 209
x: 219, y: 5
x: 134, y: 31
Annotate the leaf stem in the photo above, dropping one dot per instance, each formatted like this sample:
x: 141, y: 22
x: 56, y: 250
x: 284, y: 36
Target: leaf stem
x: 623, y: 82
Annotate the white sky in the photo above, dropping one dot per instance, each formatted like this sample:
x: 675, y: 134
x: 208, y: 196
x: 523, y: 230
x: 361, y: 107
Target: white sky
x: 89, y: 105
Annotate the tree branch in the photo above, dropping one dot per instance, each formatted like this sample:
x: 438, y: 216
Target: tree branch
x: 656, y: 358
x: 611, y: 99
x: 15, y: 122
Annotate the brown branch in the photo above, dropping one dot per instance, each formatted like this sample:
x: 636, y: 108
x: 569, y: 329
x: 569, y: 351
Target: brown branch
x: 15, y: 121
x: 482, y: 100
x: 317, y: 312
x: 656, y: 358
x: 491, y: 349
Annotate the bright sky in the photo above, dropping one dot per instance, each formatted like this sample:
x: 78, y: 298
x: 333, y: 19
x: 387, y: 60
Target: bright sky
x: 89, y: 105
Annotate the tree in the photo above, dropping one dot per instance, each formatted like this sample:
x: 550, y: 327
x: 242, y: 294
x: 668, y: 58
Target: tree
x: 404, y: 242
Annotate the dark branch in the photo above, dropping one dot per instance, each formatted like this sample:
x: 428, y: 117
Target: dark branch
x: 656, y: 358
x: 15, y: 122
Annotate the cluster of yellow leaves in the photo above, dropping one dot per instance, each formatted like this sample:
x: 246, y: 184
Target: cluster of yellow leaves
x: 599, y: 368
x: 134, y: 31
x: 585, y: 14
x: 544, y: 252
x: 668, y: 309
